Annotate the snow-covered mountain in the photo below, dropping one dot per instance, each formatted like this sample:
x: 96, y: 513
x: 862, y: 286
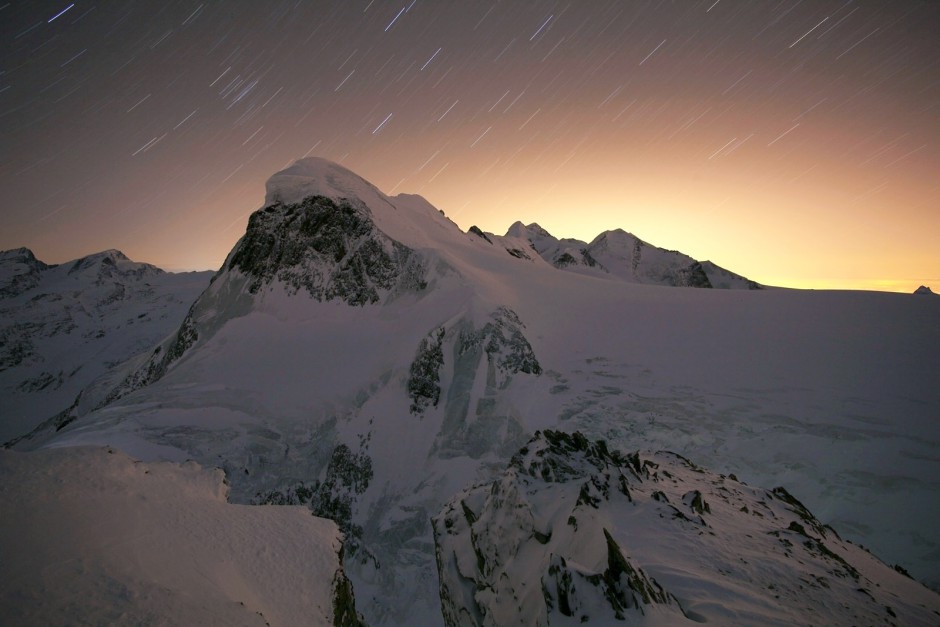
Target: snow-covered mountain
x: 572, y: 532
x: 89, y: 536
x: 361, y: 355
x: 619, y: 255
x: 64, y: 325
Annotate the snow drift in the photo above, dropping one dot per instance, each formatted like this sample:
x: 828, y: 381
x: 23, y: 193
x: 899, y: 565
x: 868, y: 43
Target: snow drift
x: 90, y: 536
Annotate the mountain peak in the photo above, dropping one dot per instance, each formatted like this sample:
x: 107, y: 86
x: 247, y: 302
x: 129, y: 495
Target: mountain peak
x: 923, y: 289
x: 112, y: 254
x: 112, y: 264
x: 17, y: 254
x: 536, y: 229
x: 517, y: 229
x: 19, y: 271
x: 314, y: 176
x: 616, y: 237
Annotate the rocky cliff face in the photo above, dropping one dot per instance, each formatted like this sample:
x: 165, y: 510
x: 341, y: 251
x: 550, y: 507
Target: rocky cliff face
x: 329, y: 248
x: 323, y: 248
x: 573, y: 532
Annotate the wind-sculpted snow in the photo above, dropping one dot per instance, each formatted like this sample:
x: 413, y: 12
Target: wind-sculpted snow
x: 329, y: 248
x: 91, y: 536
x: 574, y: 532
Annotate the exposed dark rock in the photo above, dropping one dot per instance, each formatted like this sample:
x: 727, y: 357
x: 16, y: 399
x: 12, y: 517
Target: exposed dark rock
x: 518, y: 253
x: 329, y: 248
x: 346, y: 477
x: 564, y: 259
x: 692, y: 276
x: 424, y: 380
x: 504, y: 343
x: 476, y: 231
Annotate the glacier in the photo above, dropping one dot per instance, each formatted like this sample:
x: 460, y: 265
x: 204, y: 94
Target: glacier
x: 359, y: 353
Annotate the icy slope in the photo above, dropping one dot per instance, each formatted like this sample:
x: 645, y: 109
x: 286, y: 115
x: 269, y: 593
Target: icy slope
x: 90, y: 536
x: 63, y: 326
x: 359, y: 354
x: 572, y: 532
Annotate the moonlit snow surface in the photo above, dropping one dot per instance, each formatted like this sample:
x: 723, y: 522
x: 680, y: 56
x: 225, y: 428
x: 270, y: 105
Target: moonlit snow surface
x: 89, y: 535
x: 830, y: 394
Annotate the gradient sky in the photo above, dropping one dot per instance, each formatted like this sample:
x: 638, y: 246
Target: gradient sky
x: 796, y: 142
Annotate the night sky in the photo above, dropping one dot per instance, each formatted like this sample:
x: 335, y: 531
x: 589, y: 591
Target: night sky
x: 796, y: 142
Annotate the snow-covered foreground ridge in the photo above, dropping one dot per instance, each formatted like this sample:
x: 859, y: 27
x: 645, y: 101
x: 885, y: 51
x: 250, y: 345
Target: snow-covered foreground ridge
x: 89, y: 536
x: 573, y: 532
x: 360, y: 354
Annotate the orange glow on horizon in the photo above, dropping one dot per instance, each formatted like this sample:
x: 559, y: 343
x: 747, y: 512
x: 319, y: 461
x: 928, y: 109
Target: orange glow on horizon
x: 809, y: 165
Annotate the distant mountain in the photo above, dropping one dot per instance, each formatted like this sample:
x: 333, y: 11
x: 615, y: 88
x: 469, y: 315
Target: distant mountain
x: 573, y: 532
x: 65, y: 325
x: 19, y: 271
x: 620, y: 255
x: 923, y: 289
x: 360, y: 355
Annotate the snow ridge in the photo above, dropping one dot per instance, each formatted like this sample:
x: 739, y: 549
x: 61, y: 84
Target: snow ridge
x: 621, y: 255
x: 573, y: 532
x: 66, y: 325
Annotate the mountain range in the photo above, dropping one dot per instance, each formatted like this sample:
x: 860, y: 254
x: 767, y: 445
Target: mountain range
x: 361, y: 355
x: 65, y: 325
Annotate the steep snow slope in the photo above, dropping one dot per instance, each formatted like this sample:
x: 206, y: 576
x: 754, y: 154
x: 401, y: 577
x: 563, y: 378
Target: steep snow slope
x: 573, y: 532
x: 360, y: 354
x: 63, y: 326
x: 89, y: 536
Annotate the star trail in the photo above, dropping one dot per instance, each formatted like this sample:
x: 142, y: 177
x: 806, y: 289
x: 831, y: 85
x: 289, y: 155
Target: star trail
x: 795, y: 142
